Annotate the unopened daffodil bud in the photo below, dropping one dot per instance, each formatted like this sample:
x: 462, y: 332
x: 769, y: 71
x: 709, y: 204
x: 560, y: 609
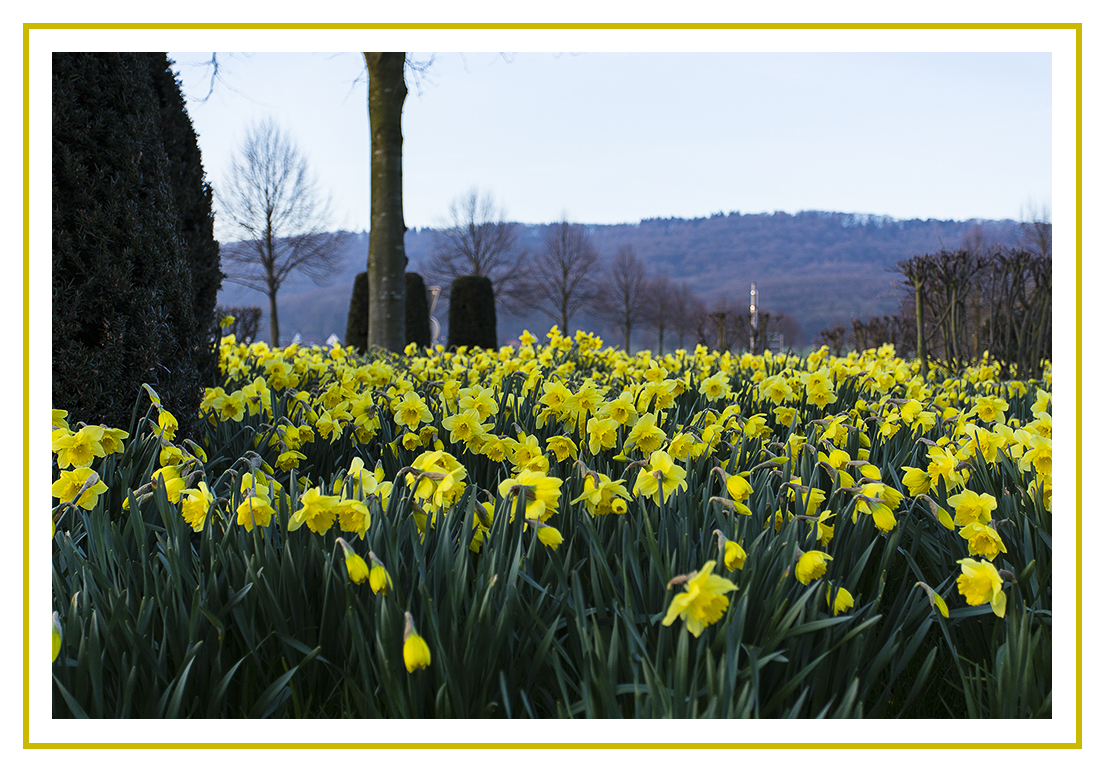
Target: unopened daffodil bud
x: 56, y: 636
x: 935, y: 600
x: 379, y: 579
x: 733, y: 555
x: 416, y: 652
x: 355, y: 565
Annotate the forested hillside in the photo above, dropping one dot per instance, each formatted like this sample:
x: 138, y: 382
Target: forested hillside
x: 822, y: 268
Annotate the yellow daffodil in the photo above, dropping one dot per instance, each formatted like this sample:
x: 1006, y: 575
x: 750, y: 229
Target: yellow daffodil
x: 646, y: 436
x: 702, y: 602
x: 733, y: 555
x: 562, y: 447
x: 255, y: 510
x: 982, y: 540
x: 195, y: 505
x: 78, y: 449
x: 972, y: 507
x: 317, y: 510
x: 80, y: 484
x: 979, y: 583
x: 660, y: 479
x: 825, y: 528
x: 842, y: 600
x: 412, y: 411
x: 542, y: 493
x: 602, y: 497
x: 811, y: 566
x: 168, y: 424
x: 547, y: 535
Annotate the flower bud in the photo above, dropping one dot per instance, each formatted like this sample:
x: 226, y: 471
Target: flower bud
x: 56, y: 637
x: 379, y: 579
x: 355, y: 565
x: 416, y: 652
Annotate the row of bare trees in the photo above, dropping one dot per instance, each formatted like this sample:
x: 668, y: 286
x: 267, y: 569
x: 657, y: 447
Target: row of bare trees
x: 985, y: 298
x: 966, y: 303
x: 566, y: 275
x: 962, y: 303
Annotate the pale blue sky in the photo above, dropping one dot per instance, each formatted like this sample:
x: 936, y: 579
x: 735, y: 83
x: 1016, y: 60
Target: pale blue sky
x: 609, y: 138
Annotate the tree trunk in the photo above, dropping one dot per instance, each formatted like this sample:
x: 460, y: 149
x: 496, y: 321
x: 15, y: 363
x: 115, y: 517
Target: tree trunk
x: 274, y: 323
x: 919, y: 320
x: 387, y: 262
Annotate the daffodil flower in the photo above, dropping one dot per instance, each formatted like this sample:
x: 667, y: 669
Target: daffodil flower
x: 811, y: 566
x: 195, y: 505
x: 702, y: 603
x: 979, y: 583
x: 839, y: 599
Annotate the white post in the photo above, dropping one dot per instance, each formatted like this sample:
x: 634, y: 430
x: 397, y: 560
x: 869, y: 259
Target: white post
x: 753, y: 297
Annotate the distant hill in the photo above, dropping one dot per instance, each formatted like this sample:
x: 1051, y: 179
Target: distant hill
x: 823, y: 268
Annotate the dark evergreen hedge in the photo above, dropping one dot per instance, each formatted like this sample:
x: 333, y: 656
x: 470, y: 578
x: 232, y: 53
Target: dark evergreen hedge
x: 193, y: 196
x: 418, y: 311
x: 417, y: 318
x: 357, y: 321
x: 472, y: 312
x: 124, y: 300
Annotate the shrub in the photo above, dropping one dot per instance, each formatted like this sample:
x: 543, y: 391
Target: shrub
x: 197, y: 221
x: 418, y: 311
x: 357, y: 323
x: 124, y: 303
x: 417, y: 319
x: 472, y: 312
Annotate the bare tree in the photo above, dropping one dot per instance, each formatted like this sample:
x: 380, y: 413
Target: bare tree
x: 1035, y: 231
x: 685, y: 310
x: 565, y: 274
x: 661, y: 303
x: 624, y: 293
x: 273, y: 205
x: 477, y: 241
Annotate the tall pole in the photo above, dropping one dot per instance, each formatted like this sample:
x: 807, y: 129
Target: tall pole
x: 753, y: 297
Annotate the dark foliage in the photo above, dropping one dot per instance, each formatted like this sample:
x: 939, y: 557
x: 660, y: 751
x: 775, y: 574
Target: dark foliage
x: 197, y: 220
x: 472, y: 313
x: 418, y: 311
x: 357, y: 323
x: 124, y: 303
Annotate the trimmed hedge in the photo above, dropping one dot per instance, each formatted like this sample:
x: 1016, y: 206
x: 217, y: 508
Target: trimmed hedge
x: 417, y: 318
x: 125, y: 298
x: 193, y: 196
x: 418, y: 311
x: 472, y: 312
x: 357, y: 321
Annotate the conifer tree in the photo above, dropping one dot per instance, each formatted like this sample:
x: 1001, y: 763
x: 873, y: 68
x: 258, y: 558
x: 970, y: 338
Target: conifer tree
x: 124, y: 303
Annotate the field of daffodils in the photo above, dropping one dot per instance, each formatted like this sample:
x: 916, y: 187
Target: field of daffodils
x: 559, y: 529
